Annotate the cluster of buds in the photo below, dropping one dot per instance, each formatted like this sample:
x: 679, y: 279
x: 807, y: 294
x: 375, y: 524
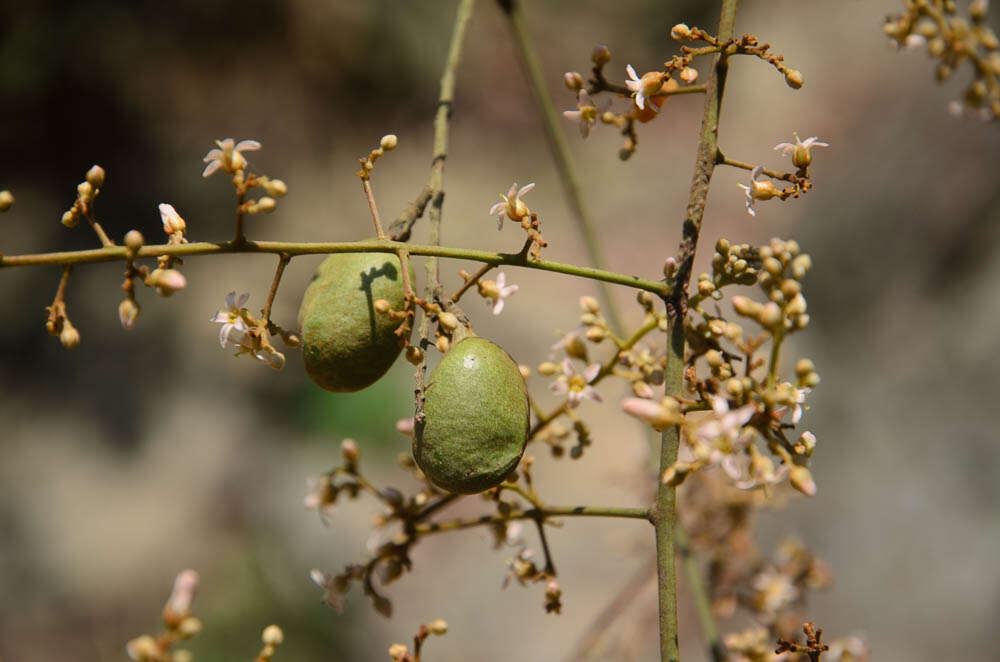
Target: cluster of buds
x: 388, y: 143
x: 228, y: 157
x: 952, y: 39
x: 58, y: 324
x: 178, y: 622
x: 400, y: 653
x: 783, y: 266
x: 86, y: 192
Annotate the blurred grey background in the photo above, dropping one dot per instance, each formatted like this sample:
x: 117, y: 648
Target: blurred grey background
x: 139, y: 454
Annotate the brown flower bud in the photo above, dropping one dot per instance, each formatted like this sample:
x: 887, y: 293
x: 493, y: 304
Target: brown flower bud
x: 95, y: 176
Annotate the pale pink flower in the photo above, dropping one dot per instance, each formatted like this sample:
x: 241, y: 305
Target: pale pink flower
x: 172, y: 221
x: 586, y: 112
x: 644, y: 87
x: 725, y: 425
x: 512, y: 206
x: 233, y: 329
x: 577, y: 386
x: 228, y: 156
x: 501, y: 291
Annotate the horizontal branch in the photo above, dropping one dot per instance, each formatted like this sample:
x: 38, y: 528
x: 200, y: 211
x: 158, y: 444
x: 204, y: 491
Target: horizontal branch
x: 535, y: 514
x: 291, y: 249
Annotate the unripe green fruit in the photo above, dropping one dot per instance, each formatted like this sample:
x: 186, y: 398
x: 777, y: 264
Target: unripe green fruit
x: 475, y: 423
x: 346, y: 344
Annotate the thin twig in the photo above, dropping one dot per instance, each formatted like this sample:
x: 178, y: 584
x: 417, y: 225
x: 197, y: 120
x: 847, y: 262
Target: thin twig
x: 283, y: 261
x: 367, y: 185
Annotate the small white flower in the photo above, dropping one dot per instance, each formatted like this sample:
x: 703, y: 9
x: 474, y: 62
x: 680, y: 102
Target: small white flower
x: 228, y: 156
x: 799, y: 396
x: 512, y: 206
x: 234, y: 329
x: 801, y: 157
x: 586, y: 112
x: 577, y: 386
x: 724, y: 425
x: 644, y: 87
x: 496, y: 291
x: 775, y: 591
x: 758, y: 189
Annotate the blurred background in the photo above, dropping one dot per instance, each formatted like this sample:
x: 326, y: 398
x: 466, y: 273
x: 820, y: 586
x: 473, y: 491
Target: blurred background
x: 142, y: 453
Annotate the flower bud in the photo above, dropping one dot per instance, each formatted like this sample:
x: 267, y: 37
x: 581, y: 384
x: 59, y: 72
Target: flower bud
x: 797, y: 305
x: 804, y: 367
x: 276, y: 188
x: 443, y: 344
x: 95, y: 176
x: 128, y: 313
x: 802, y: 480
x: 734, y: 387
x: 381, y: 306
x: 414, y: 354
x: 573, y: 81
x: 794, y: 78
x: 596, y: 334
x: 166, y: 281
x: 6, y: 200
x: 397, y: 651
x: 524, y: 370
x: 548, y: 369
x: 601, y: 55
x: 438, y: 627
x: 770, y: 315
x: 272, y: 635
x: 350, y: 450
x: 714, y: 358
x: 589, y: 305
x: 143, y: 649
x: 448, y: 321
x: 745, y: 307
x: 182, y: 596
x: 265, y: 205
x: 405, y: 426
x: 389, y: 142
x: 172, y: 221
x: 680, y: 32
x: 688, y: 75
x: 85, y: 190
x: 69, y: 336
x: 189, y: 627
x: 71, y: 218
x: 133, y: 240
x: 978, y: 9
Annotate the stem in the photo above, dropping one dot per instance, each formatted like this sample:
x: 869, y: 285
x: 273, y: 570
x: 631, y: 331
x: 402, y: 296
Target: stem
x: 240, y: 238
x: 367, y: 185
x: 559, y: 147
x: 532, y: 513
x: 702, y: 604
x: 292, y: 249
x: 101, y: 235
x: 283, y: 261
x: 666, y: 497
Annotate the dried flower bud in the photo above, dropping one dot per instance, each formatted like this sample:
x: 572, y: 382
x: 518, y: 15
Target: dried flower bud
x: 350, y: 450
x: 414, y: 354
x: 601, y: 55
x: 794, y: 78
x: 573, y: 80
x: 95, y: 176
x: 128, y: 313
x: 6, y: 200
x: 272, y: 635
x: 276, y: 188
x: 680, y: 32
x: 69, y: 336
x: 389, y: 142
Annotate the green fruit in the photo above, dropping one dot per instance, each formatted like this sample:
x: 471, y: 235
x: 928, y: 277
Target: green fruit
x: 475, y: 424
x: 346, y: 344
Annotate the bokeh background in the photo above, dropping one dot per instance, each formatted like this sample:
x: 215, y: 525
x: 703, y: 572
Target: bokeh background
x: 142, y: 453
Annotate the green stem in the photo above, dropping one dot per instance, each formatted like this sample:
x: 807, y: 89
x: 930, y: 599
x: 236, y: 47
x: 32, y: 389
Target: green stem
x: 666, y: 498
x: 533, y: 514
x: 559, y: 147
x: 292, y: 249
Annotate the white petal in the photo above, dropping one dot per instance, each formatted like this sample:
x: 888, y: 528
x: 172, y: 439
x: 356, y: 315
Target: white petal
x: 640, y: 100
x: 498, y: 307
x: 243, y: 299
x: 221, y: 317
x: 591, y: 372
x: 501, y: 280
x: 213, y: 154
x: 507, y: 291
x: 591, y: 392
x: 573, y: 115
x: 583, y: 99
x: 631, y: 72
x: 512, y: 191
x: 224, y: 333
x: 210, y: 168
x: 567, y: 368
x: 226, y: 144
x: 786, y: 148
x: 498, y: 208
x: 559, y: 388
x: 247, y: 146
x: 231, y: 300
x: 524, y: 189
